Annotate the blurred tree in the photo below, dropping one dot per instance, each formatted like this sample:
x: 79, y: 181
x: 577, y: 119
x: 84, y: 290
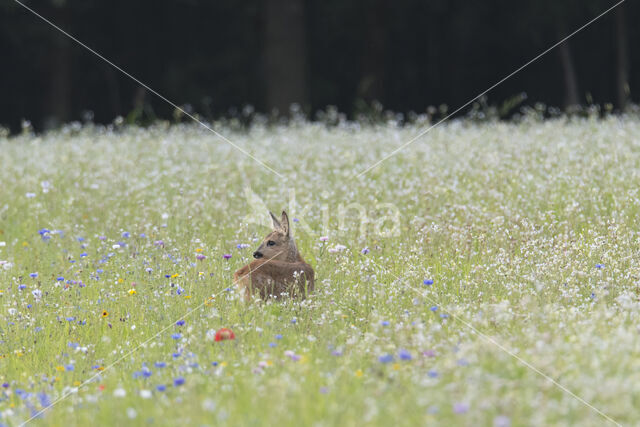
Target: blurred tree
x: 622, y: 58
x: 59, y: 110
x: 285, y: 54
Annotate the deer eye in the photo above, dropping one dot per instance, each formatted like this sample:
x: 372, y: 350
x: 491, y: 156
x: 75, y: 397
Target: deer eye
x: 271, y: 243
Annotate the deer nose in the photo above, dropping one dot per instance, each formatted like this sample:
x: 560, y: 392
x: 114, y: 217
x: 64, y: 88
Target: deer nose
x: 257, y: 254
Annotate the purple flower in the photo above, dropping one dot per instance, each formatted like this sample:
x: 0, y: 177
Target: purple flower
x: 460, y: 407
x: 385, y: 358
x: 126, y: 234
x: 324, y: 238
x: 365, y: 251
x: 159, y: 243
x: 178, y: 382
x: 428, y: 282
x: 226, y: 256
x: 200, y: 257
x: 296, y: 220
x: 432, y: 374
x: 324, y: 390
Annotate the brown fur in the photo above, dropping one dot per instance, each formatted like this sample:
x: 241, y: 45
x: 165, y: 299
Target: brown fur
x: 281, y: 269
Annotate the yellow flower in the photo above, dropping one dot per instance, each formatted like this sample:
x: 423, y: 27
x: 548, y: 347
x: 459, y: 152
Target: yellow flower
x: 223, y: 364
x: 396, y: 366
x: 173, y: 276
x: 25, y: 244
x: 199, y: 250
x: 60, y: 368
x: 132, y: 291
x: 359, y: 373
x: 105, y: 313
x: 120, y: 280
x: 201, y: 273
x: 187, y: 296
x: 76, y: 383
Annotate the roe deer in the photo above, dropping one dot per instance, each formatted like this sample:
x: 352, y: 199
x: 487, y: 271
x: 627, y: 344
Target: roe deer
x: 278, y: 269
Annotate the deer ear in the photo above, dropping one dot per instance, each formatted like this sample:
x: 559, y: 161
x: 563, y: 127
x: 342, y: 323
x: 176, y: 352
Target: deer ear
x: 285, y: 223
x: 276, y: 223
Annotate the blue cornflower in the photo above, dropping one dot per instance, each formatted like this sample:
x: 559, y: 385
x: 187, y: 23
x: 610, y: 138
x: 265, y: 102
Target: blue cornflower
x: 160, y: 364
x: 404, y: 354
x: 80, y: 239
x: 69, y: 368
x: 84, y: 254
x: 70, y: 319
x: 21, y: 287
x: 142, y: 235
x: 214, y: 363
x: 176, y: 336
x: 125, y: 234
x: 365, y: 251
x: 444, y: 315
x: 294, y: 320
x: 180, y: 323
x: 386, y: 358
x: 272, y: 344
x: 33, y: 275
x: 599, y: 266
x: 60, y: 279
x: 428, y: 282
x: 178, y: 381
x: 43, y: 231
x: 385, y: 323
x: 278, y: 336
x: 161, y: 387
x: 432, y: 374
x: 434, y: 308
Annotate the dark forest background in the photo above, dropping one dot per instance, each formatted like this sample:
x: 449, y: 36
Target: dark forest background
x: 217, y: 57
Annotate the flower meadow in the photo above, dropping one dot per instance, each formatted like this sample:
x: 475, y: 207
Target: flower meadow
x: 454, y: 281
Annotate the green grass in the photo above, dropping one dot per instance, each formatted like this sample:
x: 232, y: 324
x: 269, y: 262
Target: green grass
x: 510, y: 221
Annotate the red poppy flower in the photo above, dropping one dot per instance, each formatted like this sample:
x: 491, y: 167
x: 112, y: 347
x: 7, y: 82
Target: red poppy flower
x: 225, y: 334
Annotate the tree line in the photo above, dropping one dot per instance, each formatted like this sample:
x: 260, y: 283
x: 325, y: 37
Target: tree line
x: 215, y: 58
